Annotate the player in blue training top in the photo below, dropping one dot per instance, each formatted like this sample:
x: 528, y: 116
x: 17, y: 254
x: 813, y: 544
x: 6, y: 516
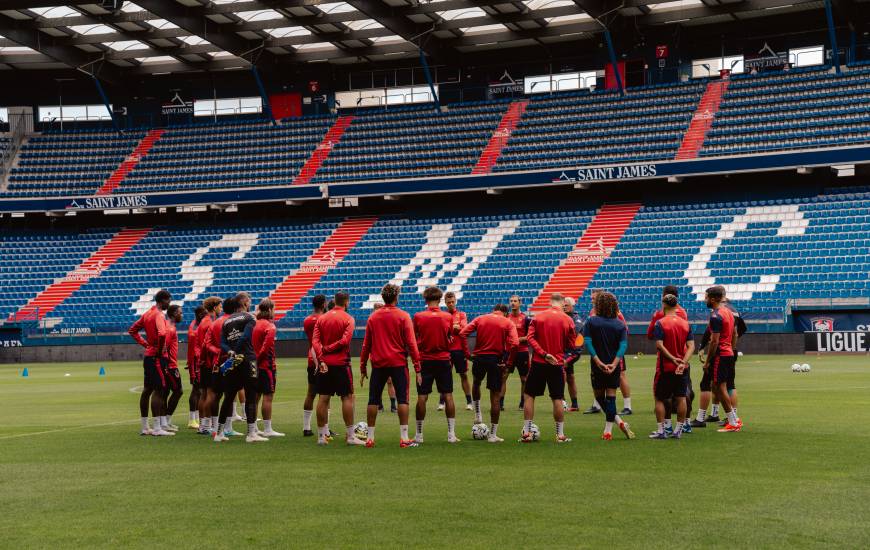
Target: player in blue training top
x: 606, y: 338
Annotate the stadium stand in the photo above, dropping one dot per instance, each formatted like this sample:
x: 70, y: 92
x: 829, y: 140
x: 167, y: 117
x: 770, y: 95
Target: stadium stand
x: 769, y: 251
x: 802, y: 108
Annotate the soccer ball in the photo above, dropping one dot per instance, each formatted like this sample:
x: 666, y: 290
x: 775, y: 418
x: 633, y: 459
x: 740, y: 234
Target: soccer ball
x: 479, y: 432
x: 739, y: 354
x: 795, y: 368
x: 805, y: 368
x: 536, y: 432
x: 565, y: 405
x: 361, y: 431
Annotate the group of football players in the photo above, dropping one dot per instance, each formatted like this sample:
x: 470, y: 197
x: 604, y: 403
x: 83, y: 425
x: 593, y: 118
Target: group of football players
x: 231, y: 355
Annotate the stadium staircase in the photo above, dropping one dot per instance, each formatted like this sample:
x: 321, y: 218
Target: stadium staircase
x: 702, y: 120
x: 333, y: 136
x: 499, y: 138
x: 288, y: 294
x: 574, y: 273
x: 130, y: 162
x: 55, y: 293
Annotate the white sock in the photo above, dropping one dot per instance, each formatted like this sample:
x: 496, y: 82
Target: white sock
x: 477, y: 417
x: 403, y: 431
x: 371, y: 433
x: 145, y: 426
x: 252, y: 428
x: 214, y: 422
x: 228, y: 425
x: 166, y: 420
x: 660, y: 427
x: 235, y: 410
x: 306, y: 420
x: 493, y: 430
x: 451, y: 427
x: 678, y: 428
x: 196, y: 415
x: 626, y: 402
x: 267, y: 425
x: 560, y: 428
x: 702, y: 415
x: 668, y: 423
x: 244, y: 411
x: 191, y: 416
x: 527, y: 426
x: 618, y: 420
x: 715, y: 411
x: 735, y: 411
x: 732, y: 418
x: 348, y: 432
x: 420, y: 427
x: 608, y: 427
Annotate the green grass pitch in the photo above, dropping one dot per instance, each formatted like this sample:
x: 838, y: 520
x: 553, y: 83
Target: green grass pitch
x: 75, y: 472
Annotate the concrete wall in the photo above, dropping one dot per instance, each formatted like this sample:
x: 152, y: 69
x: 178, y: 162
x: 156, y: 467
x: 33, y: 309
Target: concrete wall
x: 750, y: 344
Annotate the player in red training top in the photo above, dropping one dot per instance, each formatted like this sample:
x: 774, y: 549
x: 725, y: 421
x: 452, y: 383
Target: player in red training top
x: 153, y: 323
x: 433, y: 328
x: 521, y: 357
x: 318, y: 304
x: 389, y: 340
x: 191, y: 367
x: 170, y: 360
x: 720, y: 354
x: 624, y: 388
x: 330, y: 343
x: 263, y: 340
x: 459, y: 354
x: 215, y: 357
x: 213, y: 308
x: 550, y: 334
x: 675, y: 344
x: 496, y: 344
x: 650, y: 334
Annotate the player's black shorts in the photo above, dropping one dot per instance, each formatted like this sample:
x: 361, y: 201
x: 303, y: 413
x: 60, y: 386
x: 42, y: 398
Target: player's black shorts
x: 312, y: 373
x: 460, y: 363
x: 520, y: 364
x: 570, y: 361
x: 155, y: 377
x: 602, y: 381
x: 543, y: 375
x: 687, y: 380
x: 266, y: 381
x: 242, y: 377
x: 173, y: 379
x: 438, y: 372
x: 667, y: 385
x: 487, y: 366
x: 401, y: 383
x: 337, y: 380
x: 723, y: 369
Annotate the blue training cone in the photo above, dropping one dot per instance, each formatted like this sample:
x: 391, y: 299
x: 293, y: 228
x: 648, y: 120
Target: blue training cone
x: 102, y: 371
x: 25, y: 373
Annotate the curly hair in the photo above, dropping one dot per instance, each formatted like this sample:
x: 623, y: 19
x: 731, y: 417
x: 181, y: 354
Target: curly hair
x: 606, y: 305
x: 432, y: 294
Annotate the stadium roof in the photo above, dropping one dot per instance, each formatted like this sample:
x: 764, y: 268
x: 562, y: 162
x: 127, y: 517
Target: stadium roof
x: 176, y: 36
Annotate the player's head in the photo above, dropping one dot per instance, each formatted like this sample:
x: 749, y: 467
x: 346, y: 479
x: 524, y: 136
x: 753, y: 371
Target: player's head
x: 671, y: 289
x: 244, y: 300
x: 266, y: 309
x: 330, y: 304
x: 432, y: 295
x: 162, y: 299
x: 199, y: 313
x: 557, y: 300
x: 594, y: 294
x: 669, y: 302
x: 173, y: 312
x: 450, y: 301
x: 390, y: 294
x: 516, y: 302
x: 230, y: 305
x: 606, y: 305
x: 212, y: 304
x: 714, y: 295
x: 318, y: 303
x: 568, y: 306
x: 500, y: 308
x: 341, y: 298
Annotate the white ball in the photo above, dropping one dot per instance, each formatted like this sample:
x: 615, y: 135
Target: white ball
x: 67, y: 374
x: 805, y: 368
x: 361, y: 431
x: 739, y: 354
x: 536, y: 432
x: 795, y: 368
x: 479, y: 432
x: 565, y: 405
